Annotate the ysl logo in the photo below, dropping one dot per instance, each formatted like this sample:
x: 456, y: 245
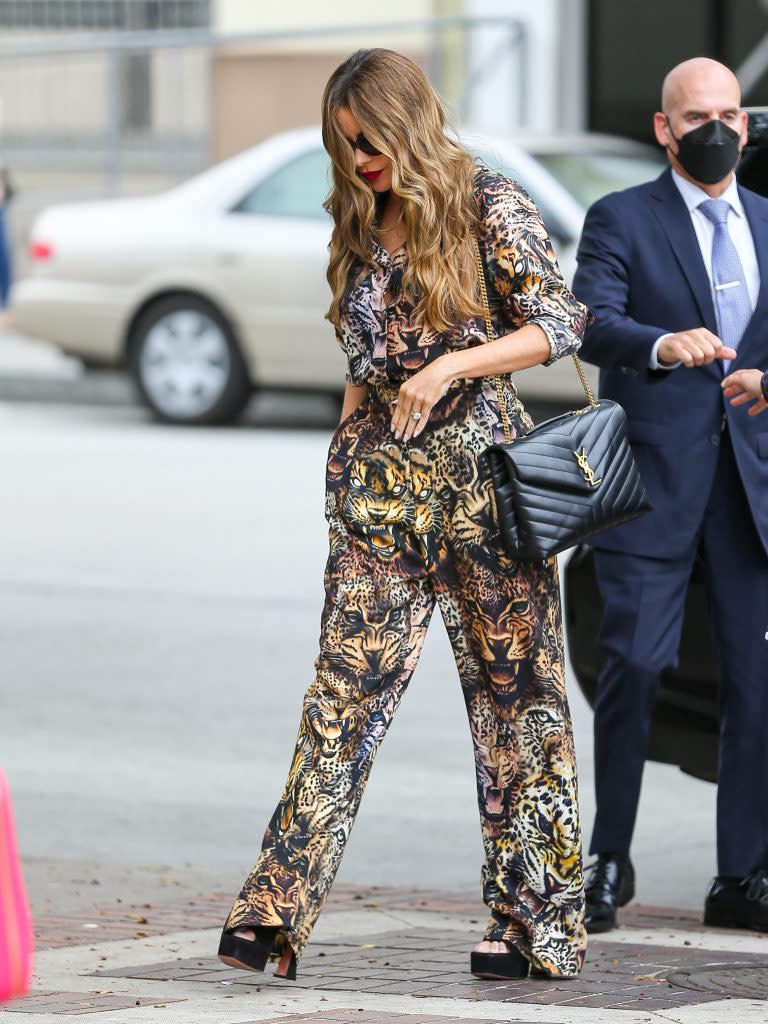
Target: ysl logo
x: 586, y: 470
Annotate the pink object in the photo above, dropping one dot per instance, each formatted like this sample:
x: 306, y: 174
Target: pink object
x: 16, y: 941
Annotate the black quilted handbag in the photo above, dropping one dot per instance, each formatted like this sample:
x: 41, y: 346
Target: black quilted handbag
x: 567, y: 479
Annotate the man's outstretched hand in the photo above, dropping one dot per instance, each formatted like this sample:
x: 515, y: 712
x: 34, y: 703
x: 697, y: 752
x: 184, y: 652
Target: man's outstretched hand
x: 744, y: 386
x: 693, y: 348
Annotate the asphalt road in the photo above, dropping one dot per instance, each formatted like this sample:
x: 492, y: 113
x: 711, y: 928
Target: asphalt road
x: 160, y: 592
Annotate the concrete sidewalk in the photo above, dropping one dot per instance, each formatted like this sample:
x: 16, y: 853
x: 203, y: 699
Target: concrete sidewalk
x: 386, y: 956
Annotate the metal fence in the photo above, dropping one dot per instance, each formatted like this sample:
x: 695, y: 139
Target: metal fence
x: 132, y: 102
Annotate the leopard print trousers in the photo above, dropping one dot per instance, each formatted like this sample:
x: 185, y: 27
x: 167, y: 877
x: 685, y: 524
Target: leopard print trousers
x: 411, y: 525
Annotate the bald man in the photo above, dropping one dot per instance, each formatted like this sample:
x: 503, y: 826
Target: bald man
x: 675, y: 273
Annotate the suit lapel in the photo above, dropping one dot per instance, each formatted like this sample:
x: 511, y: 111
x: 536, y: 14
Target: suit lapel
x: 756, y: 211
x: 672, y: 213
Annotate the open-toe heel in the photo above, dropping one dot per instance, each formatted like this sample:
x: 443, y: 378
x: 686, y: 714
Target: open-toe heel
x: 500, y: 966
x: 246, y: 954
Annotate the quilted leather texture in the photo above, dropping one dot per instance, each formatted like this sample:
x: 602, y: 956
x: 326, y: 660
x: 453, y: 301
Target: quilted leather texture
x: 566, y: 480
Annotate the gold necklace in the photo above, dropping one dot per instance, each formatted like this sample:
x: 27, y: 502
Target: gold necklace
x: 393, y: 226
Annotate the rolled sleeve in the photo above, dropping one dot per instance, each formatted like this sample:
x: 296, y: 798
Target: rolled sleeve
x: 523, y: 268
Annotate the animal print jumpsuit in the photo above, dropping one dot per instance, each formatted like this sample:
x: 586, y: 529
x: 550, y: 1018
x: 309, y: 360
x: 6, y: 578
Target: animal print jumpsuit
x: 411, y: 525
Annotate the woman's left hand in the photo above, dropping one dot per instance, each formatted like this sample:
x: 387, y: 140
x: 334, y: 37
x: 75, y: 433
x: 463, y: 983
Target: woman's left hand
x: 418, y: 395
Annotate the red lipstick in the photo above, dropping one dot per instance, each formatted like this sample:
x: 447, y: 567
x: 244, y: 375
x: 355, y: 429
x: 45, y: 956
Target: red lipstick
x: 371, y: 175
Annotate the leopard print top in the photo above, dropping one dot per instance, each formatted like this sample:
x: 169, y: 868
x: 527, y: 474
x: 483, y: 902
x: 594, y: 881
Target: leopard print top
x: 385, y: 343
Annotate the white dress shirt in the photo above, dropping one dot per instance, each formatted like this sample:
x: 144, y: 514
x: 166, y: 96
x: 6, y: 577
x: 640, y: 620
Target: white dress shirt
x: 741, y: 236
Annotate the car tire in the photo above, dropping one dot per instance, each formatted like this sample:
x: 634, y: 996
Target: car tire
x: 186, y: 363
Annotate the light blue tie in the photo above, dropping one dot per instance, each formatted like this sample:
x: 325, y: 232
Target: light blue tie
x: 734, y: 309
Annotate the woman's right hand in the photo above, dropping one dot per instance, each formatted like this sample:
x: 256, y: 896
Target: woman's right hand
x: 744, y: 386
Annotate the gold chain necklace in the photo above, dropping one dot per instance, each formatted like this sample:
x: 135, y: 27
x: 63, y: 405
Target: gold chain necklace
x: 392, y: 227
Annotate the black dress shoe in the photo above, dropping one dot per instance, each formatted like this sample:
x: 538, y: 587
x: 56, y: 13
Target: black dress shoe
x: 738, y: 902
x: 611, y: 884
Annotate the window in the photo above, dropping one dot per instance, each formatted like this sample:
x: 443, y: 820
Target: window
x: 297, y: 189
x: 590, y: 176
x: 104, y: 14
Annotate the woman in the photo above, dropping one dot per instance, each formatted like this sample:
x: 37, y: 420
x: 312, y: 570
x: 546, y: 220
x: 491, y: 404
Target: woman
x: 410, y: 519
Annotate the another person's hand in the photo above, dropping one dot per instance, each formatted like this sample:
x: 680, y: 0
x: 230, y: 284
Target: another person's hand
x: 418, y: 395
x: 745, y: 386
x: 693, y: 348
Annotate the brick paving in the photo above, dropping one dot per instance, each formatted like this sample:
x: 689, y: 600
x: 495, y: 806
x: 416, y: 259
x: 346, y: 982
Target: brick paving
x: 73, y: 1003
x: 747, y: 981
x: 105, y: 922
x: 416, y: 962
x: 429, y: 963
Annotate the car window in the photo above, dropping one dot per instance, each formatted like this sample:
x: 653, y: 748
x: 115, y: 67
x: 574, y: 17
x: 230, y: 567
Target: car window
x: 590, y: 176
x: 553, y: 223
x: 297, y: 189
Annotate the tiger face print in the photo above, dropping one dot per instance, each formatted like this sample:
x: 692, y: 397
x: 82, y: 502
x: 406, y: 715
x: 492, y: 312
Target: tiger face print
x: 549, y: 805
x: 474, y: 526
x: 505, y: 636
x: 542, y: 835
x: 428, y: 512
x: 365, y: 638
x: 272, y: 897
x: 378, y: 501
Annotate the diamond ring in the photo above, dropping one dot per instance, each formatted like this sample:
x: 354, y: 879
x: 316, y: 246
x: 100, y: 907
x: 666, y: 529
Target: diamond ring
x: 416, y: 415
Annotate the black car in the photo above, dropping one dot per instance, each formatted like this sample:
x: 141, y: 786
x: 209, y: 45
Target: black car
x: 685, y: 720
x: 685, y: 723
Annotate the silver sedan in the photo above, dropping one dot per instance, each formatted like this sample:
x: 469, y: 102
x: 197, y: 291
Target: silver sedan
x: 217, y: 287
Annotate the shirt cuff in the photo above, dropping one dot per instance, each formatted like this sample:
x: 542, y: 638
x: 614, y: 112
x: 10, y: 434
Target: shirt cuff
x: 562, y: 340
x: 653, y: 363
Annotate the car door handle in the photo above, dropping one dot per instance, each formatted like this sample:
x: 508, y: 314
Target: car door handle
x: 229, y: 259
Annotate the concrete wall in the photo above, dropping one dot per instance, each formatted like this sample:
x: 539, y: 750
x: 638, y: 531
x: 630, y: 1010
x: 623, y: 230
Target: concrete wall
x: 66, y: 95
x: 547, y: 92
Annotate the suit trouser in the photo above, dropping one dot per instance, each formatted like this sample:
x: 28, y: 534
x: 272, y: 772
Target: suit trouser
x: 410, y: 528
x: 644, y: 601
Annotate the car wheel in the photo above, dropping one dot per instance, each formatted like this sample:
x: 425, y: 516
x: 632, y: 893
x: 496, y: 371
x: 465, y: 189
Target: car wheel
x: 187, y: 364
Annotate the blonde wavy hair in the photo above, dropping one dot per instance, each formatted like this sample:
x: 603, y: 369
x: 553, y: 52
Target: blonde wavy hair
x: 401, y: 115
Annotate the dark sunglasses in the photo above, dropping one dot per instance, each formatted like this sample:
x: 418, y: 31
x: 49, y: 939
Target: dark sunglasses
x: 364, y: 145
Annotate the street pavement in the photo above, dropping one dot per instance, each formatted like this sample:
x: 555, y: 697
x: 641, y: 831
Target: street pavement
x: 385, y: 956
x: 160, y: 592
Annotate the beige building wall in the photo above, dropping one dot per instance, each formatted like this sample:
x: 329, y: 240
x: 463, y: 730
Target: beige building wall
x: 264, y: 16
x: 278, y: 85
x: 257, y: 93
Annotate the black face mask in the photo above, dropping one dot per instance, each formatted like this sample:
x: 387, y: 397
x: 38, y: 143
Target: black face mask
x: 708, y: 153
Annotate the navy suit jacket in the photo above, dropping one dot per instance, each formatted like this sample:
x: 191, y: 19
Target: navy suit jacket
x: 641, y: 272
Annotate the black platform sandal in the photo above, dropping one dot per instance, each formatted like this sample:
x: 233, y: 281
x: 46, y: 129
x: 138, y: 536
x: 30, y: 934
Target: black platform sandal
x: 247, y: 954
x: 253, y: 954
x: 500, y: 966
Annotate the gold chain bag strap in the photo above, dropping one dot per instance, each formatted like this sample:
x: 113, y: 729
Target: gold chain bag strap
x: 491, y: 334
x: 567, y: 479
